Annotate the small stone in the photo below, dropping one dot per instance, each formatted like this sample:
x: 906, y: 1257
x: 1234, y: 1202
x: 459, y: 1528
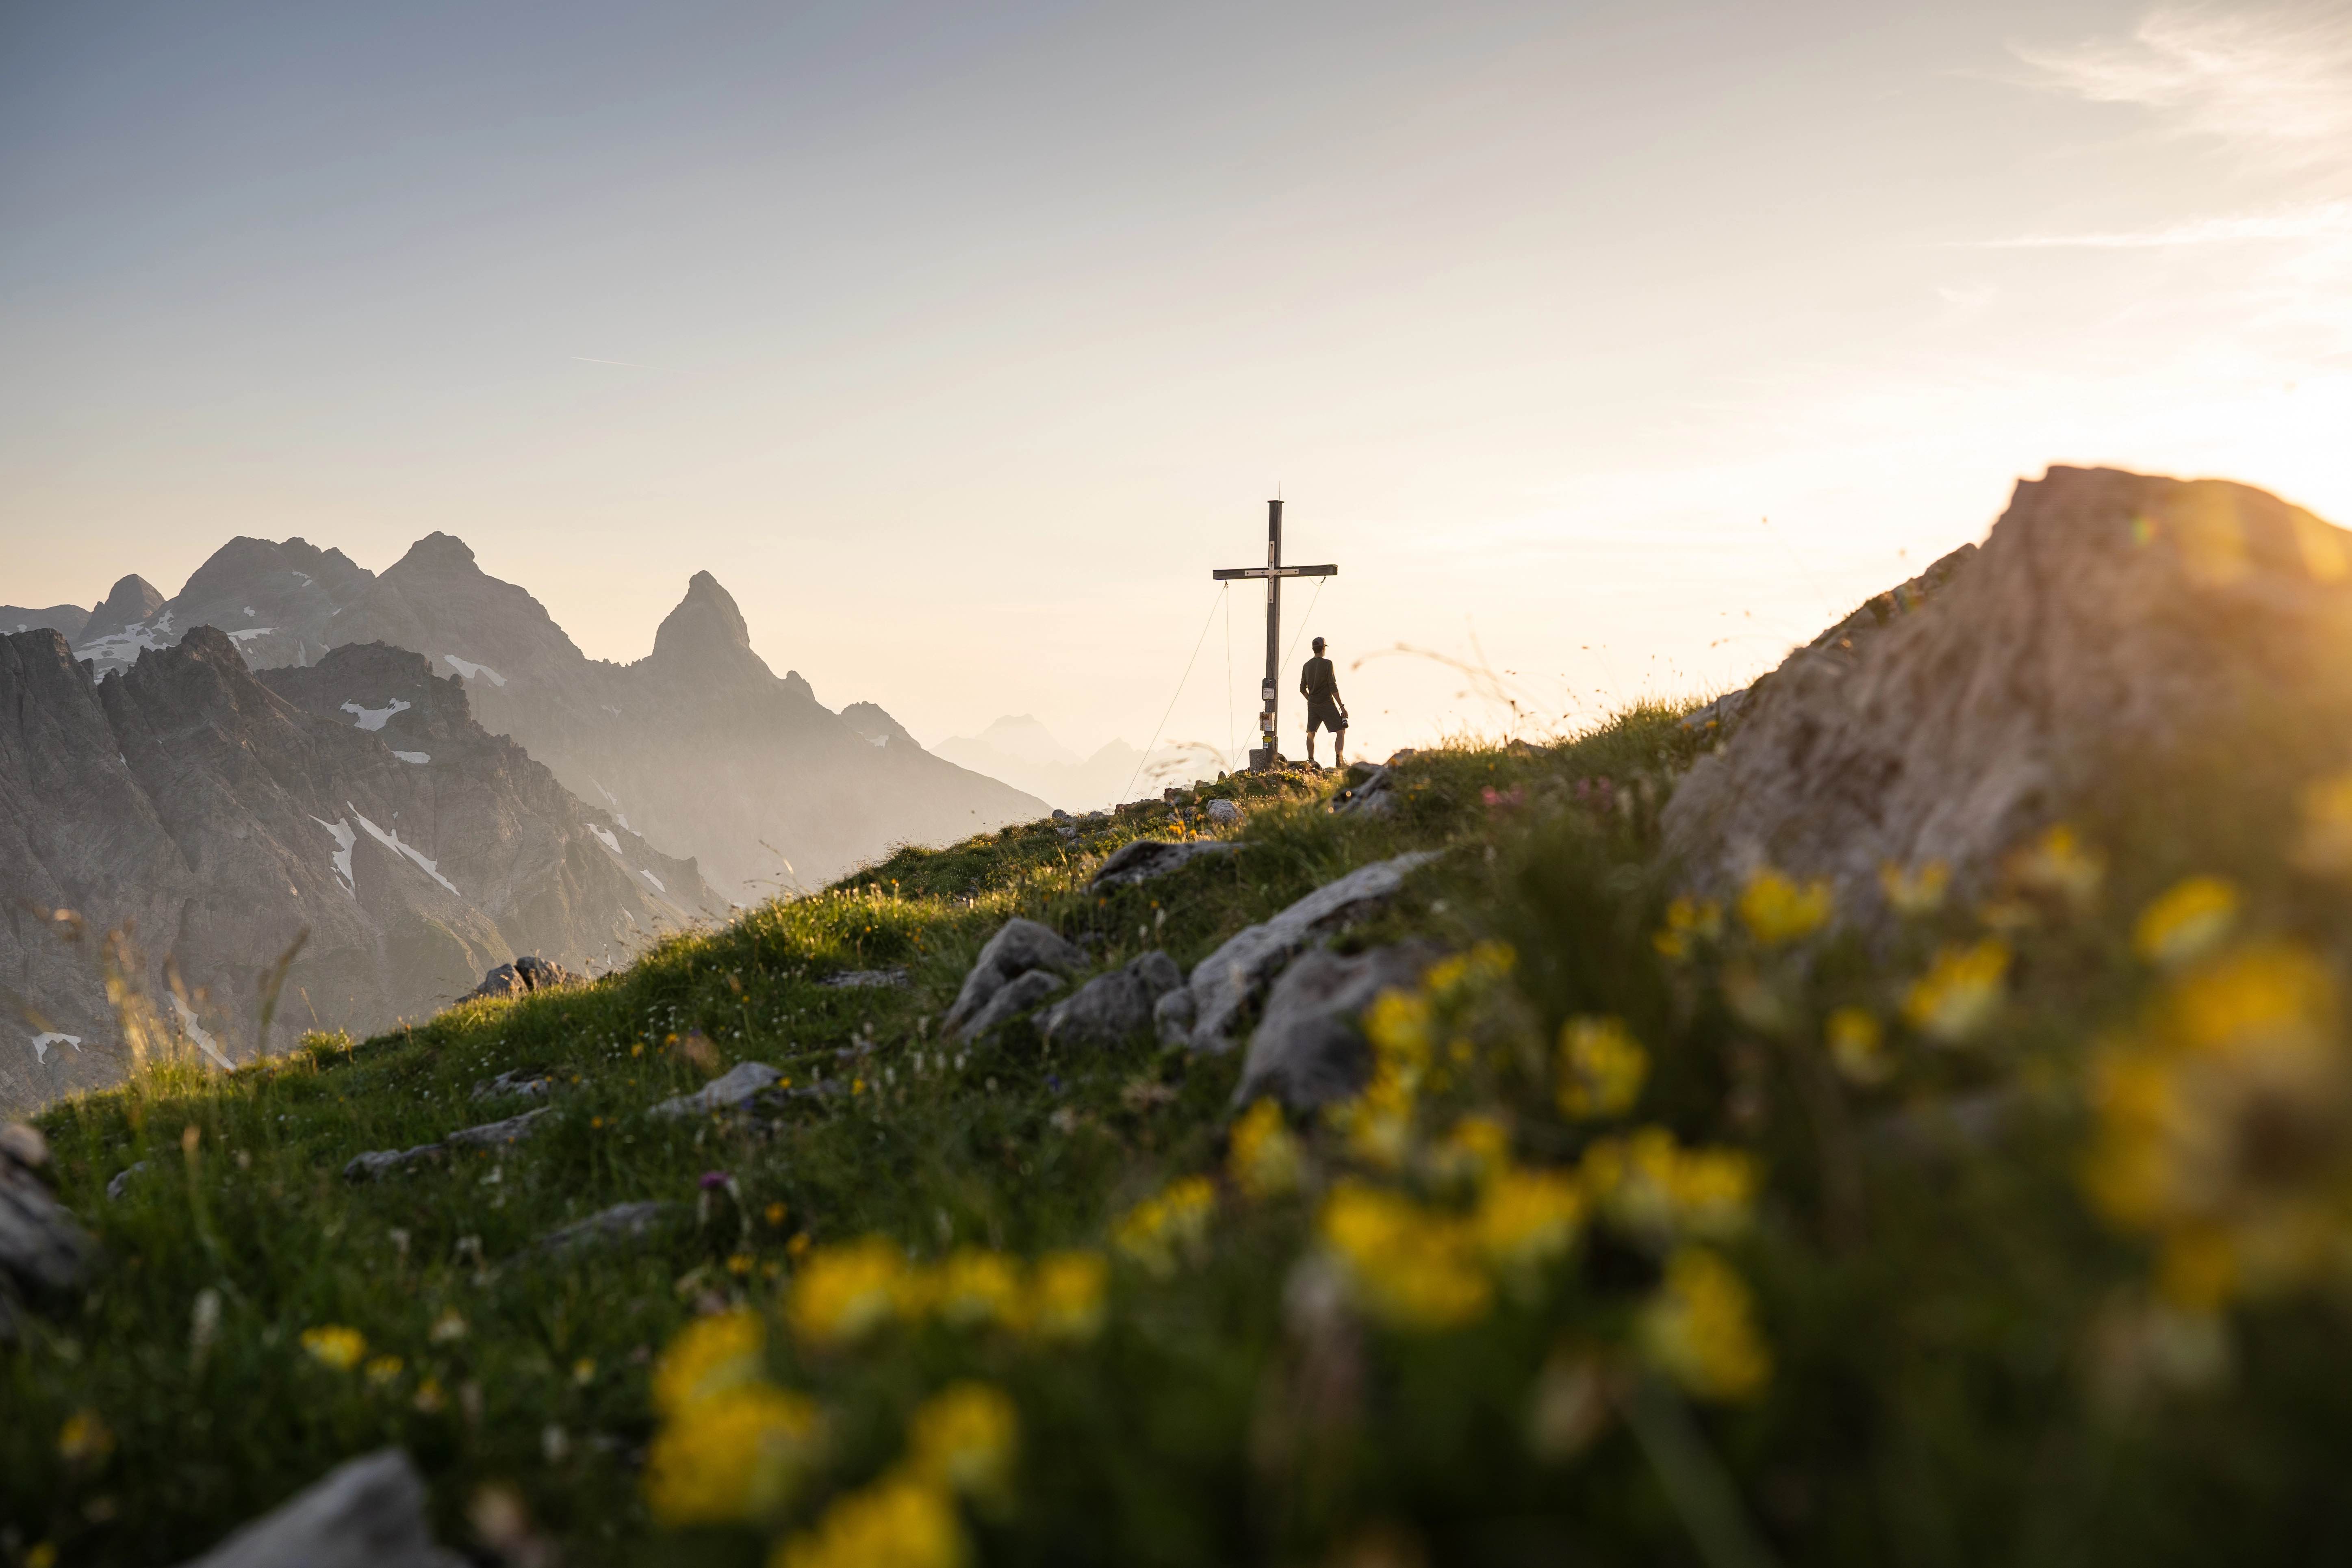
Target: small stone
x: 378, y: 1163
x: 1172, y: 1018
x: 1224, y: 812
x: 622, y: 1221
x: 729, y: 1091
x: 120, y: 1184
x: 864, y: 979
x: 513, y: 1130
x: 528, y: 1082
x: 1146, y: 859
x: 368, y: 1513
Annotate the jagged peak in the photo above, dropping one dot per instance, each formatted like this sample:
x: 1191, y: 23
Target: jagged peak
x: 707, y: 630
x: 437, y: 552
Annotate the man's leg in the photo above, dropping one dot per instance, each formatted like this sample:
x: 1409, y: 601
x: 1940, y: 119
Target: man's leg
x: 1339, y: 747
x: 1311, y: 743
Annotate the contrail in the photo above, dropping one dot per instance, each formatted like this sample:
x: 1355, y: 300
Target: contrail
x: 631, y: 365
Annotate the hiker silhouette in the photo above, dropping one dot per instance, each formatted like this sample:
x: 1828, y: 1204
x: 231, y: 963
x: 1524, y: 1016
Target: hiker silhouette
x: 1321, y: 687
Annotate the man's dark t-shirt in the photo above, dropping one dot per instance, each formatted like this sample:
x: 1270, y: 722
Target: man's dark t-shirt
x: 1321, y: 689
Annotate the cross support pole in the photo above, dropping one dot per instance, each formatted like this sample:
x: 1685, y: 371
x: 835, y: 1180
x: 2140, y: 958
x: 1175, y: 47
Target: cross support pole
x: 1273, y: 572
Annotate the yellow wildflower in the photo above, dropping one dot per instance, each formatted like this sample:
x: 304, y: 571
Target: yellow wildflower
x: 1264, y: 1159
x: 1412, y: 1268
x: 1600, y: 1067
x: 2187, y: 922
x: 1065, y: 1296
x: 1478, y: 1148
x: 1484, y: 963
x: 1918, y: 891
x: 384, y: 1371
x: 1777, y: 910
x: 335, y: 1346
x: 41, y: 1554
x: 1652, y: 1186
x: 975, y: 1288
x: 1700, y: 1329
x: 1398, y: 1024
x: 734, y: 1458
x: 1857, y: 1045
x: 1960, y: 991
x: 429, y: 1398
x: 966, y: 1438
x: 1688, y: 921
x: 1176, y: 1219
x: 85, y: 1437
x: 2225, y: 1126
x: 709, y: 1356
x: 2059, y: 863
x: 1378, y: 1123
x: 2324, y: 846
x: 845, y: 1292
x: 899, y: 1521
x: 1526, y: 1219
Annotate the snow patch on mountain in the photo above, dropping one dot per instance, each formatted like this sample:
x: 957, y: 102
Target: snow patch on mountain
x: 392, y: 841
x: 345, y: 839
x: 419, y: 758
x: 195, y: 1031
x: 47, y: 1037
x: 376, y: 718
x: 604, y: 836
x: 470, y: 670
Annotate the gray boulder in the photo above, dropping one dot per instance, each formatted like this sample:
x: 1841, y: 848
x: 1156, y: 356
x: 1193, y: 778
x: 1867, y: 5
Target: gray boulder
x: 730, y: 1090
x: 1224, y: 812
x: 1147, y: 857
x: 1008, y: 1001
x: 1111, y: 1008
x: 522, y: 977
x: 44, y: 1251
x: 367, y: 1513
x: 528, y: 1083
x: 1307, y: 1051
x: 1171, y: 1017
x: 1019, y: 947
x: 1223, y: 982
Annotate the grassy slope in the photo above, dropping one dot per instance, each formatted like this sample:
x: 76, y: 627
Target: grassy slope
x: 1926, y: 1314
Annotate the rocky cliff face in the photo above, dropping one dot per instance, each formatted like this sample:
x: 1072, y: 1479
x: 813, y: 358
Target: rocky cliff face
x: 700, y: 746
x: 215, y: 814
x: 2108, y: 616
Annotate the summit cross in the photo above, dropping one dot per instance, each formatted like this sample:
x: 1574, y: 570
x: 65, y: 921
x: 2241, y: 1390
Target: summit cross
x: 1273, y: 572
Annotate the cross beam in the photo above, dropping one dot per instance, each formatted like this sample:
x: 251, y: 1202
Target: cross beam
x: 1273, y: 572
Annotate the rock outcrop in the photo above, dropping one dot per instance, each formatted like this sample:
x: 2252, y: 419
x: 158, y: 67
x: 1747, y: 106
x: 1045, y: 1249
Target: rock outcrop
x: 2108, y: 616
x: 1145, y: 858
x: 43, y: 1249
x: 522, y: 977
x: 1019, y: 966
x: 214, y: 815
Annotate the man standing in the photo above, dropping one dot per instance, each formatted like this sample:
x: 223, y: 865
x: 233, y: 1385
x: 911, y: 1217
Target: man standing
x: 1323, y: 708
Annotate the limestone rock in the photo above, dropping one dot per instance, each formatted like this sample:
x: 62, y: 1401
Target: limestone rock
x: 864, y: 979
x: 43, y: 1249
x: 1147, y: 857
x: 1019, y: 947
x: 367, y: 1513
x: 1306, y: 1050
x: 2108, y: 616
x: 522, y: 977
x: 1173, y: 1014
x: 1223, y: 982
x: 1367, y: 793
x: 120, y: 1183
x: 528, y: 1083
x: 1111, y: 1008
x: 1008, y: 1001
x: 1224, y: 813
x: 732, y: 1088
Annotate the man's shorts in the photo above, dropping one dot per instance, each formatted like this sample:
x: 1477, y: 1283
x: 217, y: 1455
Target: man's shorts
x: 1322, y: 714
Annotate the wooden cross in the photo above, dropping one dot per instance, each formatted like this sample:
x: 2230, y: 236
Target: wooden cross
x: 1273, y: 572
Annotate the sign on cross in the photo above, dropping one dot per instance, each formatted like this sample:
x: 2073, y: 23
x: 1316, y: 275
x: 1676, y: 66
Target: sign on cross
x: 1273, y: 572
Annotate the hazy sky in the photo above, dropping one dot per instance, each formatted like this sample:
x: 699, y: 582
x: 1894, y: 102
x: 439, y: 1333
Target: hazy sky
x: 961, y: 346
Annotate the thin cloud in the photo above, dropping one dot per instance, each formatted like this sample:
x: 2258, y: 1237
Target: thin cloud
x: 2313, y: 220
x: 2280, y: 79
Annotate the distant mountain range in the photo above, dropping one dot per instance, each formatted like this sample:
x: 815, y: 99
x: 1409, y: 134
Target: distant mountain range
x: 422, y: 770
x: 210, y: 813
x: 1022, y: 751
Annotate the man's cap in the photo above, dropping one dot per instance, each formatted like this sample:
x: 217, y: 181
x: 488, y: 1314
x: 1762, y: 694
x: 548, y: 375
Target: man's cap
x: 1318, y: 645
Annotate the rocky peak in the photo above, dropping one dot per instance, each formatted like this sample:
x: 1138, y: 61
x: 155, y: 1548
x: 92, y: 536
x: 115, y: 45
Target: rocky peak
x: 129, y: 603
x: 705, y: 636
x: 438, y: 555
